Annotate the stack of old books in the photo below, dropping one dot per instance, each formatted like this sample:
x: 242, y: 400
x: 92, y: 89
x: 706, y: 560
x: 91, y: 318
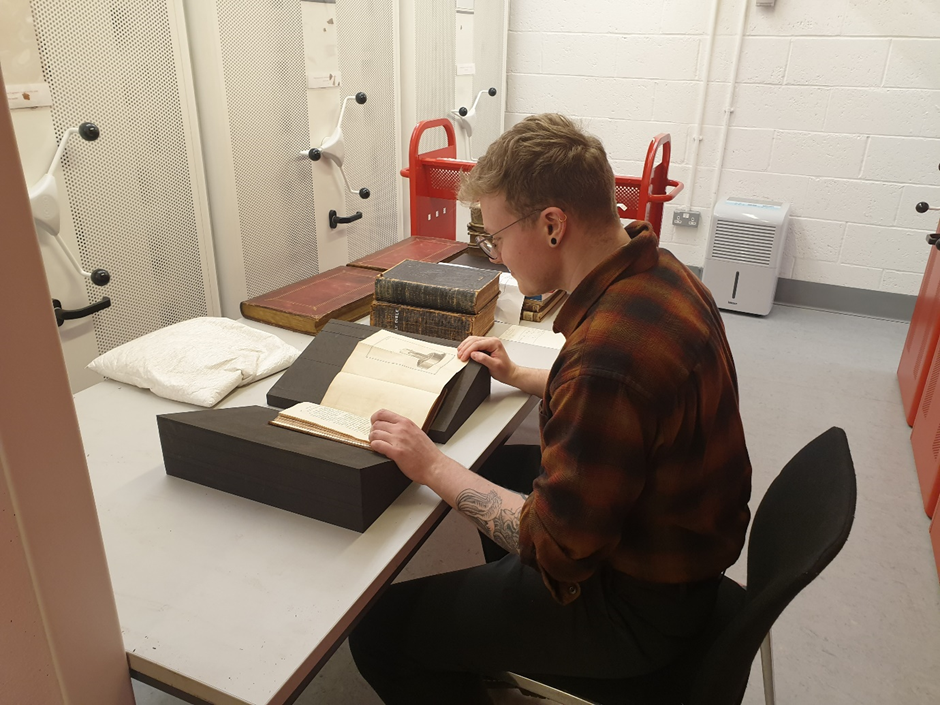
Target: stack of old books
x: 440, y: 300
x: 535, y: 308
x: 343, y: 293
x: 475, y: 226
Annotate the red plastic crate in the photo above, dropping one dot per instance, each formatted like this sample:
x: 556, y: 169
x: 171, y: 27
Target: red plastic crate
x: 435, y: 179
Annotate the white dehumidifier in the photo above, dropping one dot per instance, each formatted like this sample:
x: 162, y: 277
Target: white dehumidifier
x: 745, y: 248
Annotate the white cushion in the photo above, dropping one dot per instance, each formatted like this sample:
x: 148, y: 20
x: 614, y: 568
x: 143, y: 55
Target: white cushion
x: 197, y: 361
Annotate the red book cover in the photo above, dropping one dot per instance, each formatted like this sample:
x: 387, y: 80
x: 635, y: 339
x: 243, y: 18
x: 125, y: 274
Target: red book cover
x: 344, y: 293
x: 422, y: 249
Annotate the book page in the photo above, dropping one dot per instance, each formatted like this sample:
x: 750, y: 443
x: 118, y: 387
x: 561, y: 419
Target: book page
x: 352, y: 394
x: 309, y: 417
x: 534, y: 336
x: 389, y: 357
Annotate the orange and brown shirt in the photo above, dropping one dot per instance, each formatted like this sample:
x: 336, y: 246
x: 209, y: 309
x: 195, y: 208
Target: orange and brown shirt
x: 644, y: 462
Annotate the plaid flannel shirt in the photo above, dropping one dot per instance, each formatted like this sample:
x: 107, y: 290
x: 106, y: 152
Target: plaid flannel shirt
x: 644, y: 464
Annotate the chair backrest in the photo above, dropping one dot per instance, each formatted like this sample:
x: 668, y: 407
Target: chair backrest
x: 801, y: 524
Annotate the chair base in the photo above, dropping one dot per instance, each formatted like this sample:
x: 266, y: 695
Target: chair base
x: 767, y: 670
x: 541, y: 690
x: 536, y: 688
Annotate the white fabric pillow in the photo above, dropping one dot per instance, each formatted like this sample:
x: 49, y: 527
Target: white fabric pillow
x: 197, y: 361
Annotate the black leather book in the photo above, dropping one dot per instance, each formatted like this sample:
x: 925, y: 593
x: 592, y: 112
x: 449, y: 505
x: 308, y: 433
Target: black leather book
x: 441, y: 287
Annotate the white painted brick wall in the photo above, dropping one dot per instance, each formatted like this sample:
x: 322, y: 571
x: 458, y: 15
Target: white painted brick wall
x: 819, y: 240
x: 782, y: 107
x: 864, y: 246
x: 818, y: 154
x: 837, y: 110
x: 914, y: 63
x: 901, y: 282
x: 891, y: 18
x: 884, y: 111
x: 852, y: 201
x: 763, y: 59
x: 796, y: 18
x: 747, y: 148
x: 901, y: 159
x: 837, y: 61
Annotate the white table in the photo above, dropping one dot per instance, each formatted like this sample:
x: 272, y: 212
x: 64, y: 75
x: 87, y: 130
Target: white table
x: 231, y: 601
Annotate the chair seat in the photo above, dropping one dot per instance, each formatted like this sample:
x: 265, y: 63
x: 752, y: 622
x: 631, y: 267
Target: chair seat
x: 667, y: 686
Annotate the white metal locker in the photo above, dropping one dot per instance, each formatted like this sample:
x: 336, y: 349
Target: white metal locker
x: 137, y: 194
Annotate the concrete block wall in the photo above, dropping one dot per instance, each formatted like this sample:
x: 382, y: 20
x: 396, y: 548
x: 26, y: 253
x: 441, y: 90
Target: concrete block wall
x: 837, y: 110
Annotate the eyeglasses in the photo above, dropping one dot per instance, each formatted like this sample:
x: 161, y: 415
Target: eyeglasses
x: 489, y: 246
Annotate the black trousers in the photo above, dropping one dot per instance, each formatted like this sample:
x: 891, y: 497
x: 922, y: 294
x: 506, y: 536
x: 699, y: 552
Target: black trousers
x: 430, y: 640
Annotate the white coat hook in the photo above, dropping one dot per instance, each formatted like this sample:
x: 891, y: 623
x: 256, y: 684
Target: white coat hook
x: 44, y: 200
x: 466, y: 118
x: 334, y: 146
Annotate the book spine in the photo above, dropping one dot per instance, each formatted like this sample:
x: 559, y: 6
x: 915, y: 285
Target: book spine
x: 541, y: 312
x: 429, y: 296
x: 484, y: 320
x: 438, y: 324
x: 535, y: 316
x: 311, y: 325
x: 281, y: 319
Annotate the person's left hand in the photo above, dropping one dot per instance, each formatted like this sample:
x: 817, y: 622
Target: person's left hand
x: 401, y: 440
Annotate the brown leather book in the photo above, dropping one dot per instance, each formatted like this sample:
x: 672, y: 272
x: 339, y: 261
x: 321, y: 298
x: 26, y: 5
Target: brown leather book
x: 422, y: 249
x: 537, y: 303
x: 425, y: 321
x: 544, y: 309
x: 473, y: 257
x: 344, y: 293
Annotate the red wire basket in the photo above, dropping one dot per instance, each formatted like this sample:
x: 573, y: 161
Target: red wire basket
x: 434, y: 178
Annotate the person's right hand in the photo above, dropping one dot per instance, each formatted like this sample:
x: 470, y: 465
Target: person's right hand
x: 490, y: 353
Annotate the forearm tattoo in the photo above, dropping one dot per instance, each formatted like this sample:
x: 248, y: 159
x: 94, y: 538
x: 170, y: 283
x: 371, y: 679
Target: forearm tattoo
x: 496, y: 521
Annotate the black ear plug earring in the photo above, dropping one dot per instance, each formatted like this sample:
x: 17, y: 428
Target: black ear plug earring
x: 553, y: 241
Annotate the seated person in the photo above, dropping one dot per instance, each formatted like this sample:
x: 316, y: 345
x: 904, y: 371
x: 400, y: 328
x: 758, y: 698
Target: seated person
x: 605, y: 545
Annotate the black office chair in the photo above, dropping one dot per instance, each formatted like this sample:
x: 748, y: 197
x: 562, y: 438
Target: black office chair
x: 801, y: 524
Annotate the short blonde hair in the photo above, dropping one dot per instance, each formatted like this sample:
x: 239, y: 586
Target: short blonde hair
x: 545, y: 160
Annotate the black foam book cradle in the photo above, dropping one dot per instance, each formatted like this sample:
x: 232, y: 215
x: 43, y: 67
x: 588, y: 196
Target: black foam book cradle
x: 236, y: 450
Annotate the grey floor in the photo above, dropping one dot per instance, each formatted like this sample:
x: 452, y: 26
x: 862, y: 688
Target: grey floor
x: 868, y: 629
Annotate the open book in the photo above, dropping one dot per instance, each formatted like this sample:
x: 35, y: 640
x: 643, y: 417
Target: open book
x: 385, y: 371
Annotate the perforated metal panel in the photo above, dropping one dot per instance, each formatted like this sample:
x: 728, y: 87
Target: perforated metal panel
x: 131, y: 192
x: 266, y: 93
x: 366, y: 45
x: 489, y: 35
x: 628, y: 197
x: 436, y: 65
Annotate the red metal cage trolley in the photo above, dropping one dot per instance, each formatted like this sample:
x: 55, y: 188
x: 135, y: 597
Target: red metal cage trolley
x: 435, y: 179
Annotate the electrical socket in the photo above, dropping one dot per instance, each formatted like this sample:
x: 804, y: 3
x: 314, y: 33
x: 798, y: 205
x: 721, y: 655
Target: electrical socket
x: 688, y: 219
